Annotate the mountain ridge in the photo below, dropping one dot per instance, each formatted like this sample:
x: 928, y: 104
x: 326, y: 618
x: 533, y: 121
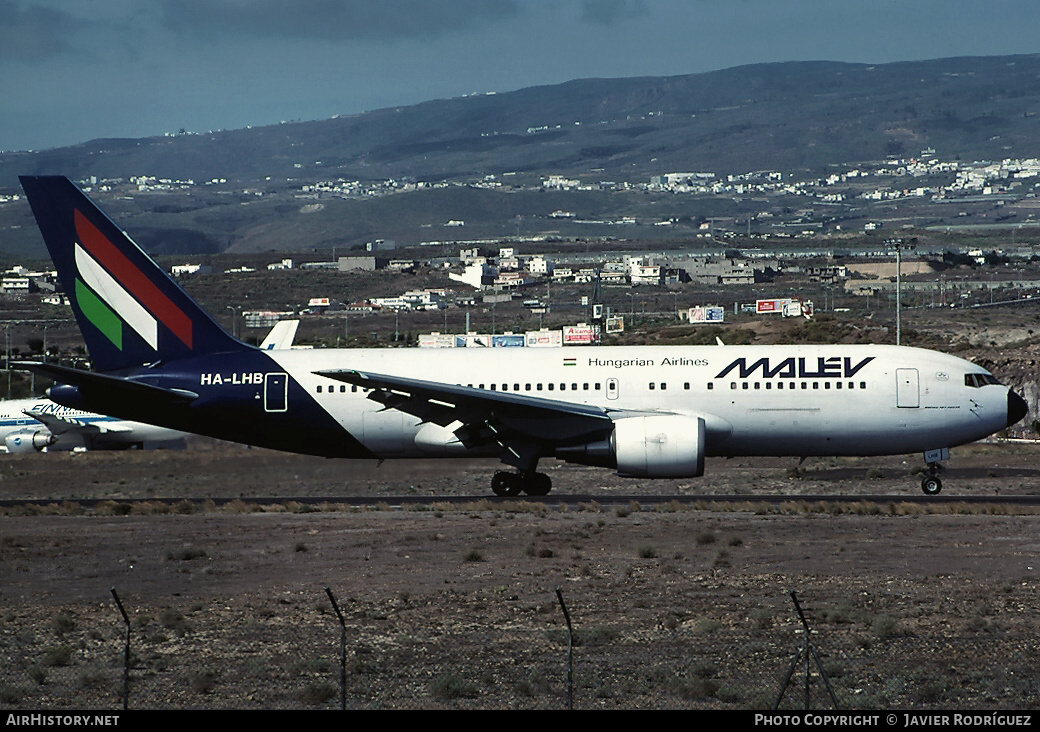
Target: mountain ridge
x: 802, y: 114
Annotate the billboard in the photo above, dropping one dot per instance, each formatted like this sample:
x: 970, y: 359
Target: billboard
x: 579, y: 335
x: 786, y: 306
x: 710, y: 314
x: 473, y: 341
x: 616, y: 325
x: 543, y: 338
x: 436, y: 340
x: 507, y: 341
x: 775, y: 305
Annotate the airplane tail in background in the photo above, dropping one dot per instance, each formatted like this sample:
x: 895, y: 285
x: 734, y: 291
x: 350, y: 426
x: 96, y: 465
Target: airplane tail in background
x: 129, y: 310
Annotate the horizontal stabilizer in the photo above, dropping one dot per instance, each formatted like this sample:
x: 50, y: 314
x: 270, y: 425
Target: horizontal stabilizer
x: 117, y: 396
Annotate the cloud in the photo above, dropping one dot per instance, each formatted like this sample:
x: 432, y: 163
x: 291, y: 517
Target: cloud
x: 332, y: 20
x: 608, y: 12
x: 33, y: 33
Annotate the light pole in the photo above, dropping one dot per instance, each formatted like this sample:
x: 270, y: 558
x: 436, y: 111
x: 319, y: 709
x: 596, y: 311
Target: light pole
x: 234, y: 321
x: 898, y: 245
x: 7, y: 357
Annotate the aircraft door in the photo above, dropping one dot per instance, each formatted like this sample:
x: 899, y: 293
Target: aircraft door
x: 908, y: 391
x: 276, y: 392
x: 612, y: 388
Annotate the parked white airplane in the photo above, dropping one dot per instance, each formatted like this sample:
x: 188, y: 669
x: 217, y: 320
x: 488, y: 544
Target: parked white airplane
x: 35, y: 425
x: 649, y: 412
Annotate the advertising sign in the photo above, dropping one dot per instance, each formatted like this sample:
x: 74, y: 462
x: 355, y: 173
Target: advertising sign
x: 507, y: 341
x: 710, y: 314
x: 436, y: 340
x: 577, y: 335
x: 544, y: 338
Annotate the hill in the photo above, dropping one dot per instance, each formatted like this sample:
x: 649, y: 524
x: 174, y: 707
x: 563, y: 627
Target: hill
x: 780, y: 116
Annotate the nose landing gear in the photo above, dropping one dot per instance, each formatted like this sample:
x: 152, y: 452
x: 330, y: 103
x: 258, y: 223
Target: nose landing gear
x: 930, y: 483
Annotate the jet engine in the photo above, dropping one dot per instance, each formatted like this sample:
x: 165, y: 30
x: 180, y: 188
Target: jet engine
x: 659, y: 446
x: 29, y: 440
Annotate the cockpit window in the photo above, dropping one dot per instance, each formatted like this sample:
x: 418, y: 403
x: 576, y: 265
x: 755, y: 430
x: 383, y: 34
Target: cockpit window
x: 977, y: 380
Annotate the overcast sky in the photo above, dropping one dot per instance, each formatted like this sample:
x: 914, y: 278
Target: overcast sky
x: 74, y: 70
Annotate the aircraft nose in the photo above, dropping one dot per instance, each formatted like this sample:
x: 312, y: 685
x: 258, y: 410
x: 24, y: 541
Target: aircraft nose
x: 1017, y: 408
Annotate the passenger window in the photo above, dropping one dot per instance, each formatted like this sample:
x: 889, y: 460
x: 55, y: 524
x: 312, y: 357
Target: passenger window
x: 319, y: 388
x: 651, y: 386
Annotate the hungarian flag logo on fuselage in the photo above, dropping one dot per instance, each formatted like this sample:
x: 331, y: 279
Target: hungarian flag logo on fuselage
x: 112, y: 292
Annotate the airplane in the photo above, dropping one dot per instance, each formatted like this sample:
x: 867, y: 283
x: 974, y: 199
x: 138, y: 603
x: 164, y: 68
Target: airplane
x: 39, y: 425
x: 644, y: 411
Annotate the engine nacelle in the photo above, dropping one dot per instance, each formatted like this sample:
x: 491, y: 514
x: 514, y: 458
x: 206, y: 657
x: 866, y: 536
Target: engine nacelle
x: 29, y: 441
x: 659, y: 446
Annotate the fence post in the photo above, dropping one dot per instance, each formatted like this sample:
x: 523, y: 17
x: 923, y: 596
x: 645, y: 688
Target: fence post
x: 570, y: 651
x: 810, y: 654
x: 342, y: 652
x: 126, y: 652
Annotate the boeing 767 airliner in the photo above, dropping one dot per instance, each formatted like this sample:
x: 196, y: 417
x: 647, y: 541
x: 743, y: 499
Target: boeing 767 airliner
x: 646, y: 412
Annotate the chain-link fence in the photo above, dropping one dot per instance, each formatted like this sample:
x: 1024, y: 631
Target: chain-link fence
x: 215, y: 659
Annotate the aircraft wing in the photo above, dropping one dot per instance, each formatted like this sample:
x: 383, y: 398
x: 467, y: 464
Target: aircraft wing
x: 486, y: 416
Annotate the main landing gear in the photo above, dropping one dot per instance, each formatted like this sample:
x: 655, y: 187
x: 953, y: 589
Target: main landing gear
x: 505, y: 483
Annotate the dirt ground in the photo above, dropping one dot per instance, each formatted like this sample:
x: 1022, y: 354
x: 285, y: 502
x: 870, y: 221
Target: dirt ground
x: 455, y: 606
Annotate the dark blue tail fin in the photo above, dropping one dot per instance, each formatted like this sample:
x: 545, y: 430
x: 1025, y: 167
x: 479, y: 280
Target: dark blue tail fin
x: 129, y: 310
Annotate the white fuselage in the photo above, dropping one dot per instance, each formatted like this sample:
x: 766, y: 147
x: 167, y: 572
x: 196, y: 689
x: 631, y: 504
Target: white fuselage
x: 755, y: 400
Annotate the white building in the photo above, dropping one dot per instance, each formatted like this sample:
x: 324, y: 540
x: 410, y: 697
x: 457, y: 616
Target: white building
x: 539, y: 265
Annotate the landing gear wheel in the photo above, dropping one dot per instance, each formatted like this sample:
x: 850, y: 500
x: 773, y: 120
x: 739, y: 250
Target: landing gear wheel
x: 931, y: 485
x: 538, y: 484
x: 505, y: 484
